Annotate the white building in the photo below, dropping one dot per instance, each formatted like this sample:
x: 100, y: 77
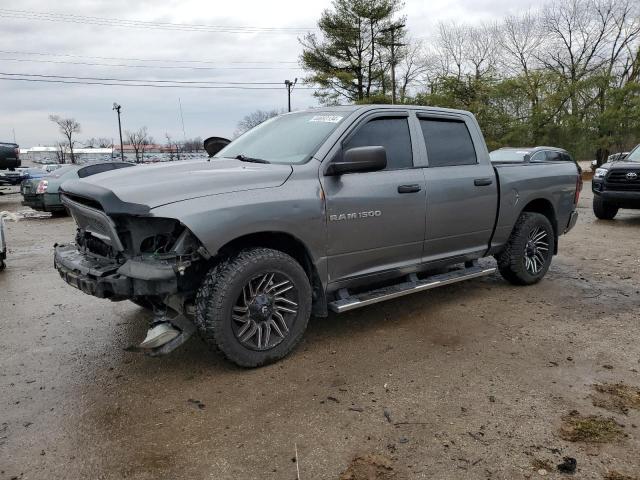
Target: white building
x: 50, y: 154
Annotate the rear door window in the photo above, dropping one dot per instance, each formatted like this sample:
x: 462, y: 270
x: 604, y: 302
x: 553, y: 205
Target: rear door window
x: 390, y: 133
x: 448, y: 142
x: 554, y: 156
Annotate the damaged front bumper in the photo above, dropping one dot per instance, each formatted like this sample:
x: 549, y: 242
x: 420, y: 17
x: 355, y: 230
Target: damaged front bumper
x: 103, y: 278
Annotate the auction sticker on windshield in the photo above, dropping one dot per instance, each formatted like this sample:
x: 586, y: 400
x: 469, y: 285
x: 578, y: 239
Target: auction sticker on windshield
x: 326, y: 118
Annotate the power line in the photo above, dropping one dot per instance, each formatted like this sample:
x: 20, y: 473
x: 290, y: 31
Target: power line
x: 10, y: 77
x: 129, y: 59
x: 170, y: 67
x: 103, y: 79
x: 116, y: 22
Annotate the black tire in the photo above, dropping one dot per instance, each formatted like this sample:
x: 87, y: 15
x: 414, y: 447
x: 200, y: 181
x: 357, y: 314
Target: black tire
x: 603, y: 210
x: 2, y: 265
x: 223, y: 295
x: 524, y: 261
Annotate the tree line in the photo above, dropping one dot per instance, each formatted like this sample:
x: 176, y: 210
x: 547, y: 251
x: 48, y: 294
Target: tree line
x: 139, y: 140
x: 566, y: 74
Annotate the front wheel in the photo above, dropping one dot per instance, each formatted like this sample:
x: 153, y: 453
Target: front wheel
x: 604, y: 210
x: 528, y: 252
x: 255, y: 306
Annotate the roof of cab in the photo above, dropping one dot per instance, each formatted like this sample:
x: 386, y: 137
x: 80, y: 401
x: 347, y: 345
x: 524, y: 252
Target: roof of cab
x: 375, y: 106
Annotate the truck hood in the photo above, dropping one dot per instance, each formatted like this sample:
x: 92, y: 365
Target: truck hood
x: 156, y: 185
x: 618, y: 165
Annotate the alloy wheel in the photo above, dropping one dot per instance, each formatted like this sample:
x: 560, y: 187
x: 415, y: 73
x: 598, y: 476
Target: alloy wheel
x: 265, y: 310
x: 536, y: 250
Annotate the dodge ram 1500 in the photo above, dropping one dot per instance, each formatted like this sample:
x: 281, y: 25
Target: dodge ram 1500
x: 310, y: 212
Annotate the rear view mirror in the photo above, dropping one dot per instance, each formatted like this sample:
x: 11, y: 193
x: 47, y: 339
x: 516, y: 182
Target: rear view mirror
x: 359, y: 159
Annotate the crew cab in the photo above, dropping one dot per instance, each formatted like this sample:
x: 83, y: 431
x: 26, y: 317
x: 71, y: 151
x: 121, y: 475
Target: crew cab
x: 310, y: 212
x: 616, y: 185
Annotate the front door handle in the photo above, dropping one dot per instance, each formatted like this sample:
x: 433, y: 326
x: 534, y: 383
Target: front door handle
x: 482, y: 182
x: 409, y: 188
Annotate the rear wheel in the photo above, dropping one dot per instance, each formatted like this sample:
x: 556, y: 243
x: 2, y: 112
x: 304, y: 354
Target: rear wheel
x: 604, y: 210
x: 255, y: 306
x: 527, y: 255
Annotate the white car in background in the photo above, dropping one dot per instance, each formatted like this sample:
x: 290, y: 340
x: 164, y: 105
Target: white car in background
x: 50, y: 167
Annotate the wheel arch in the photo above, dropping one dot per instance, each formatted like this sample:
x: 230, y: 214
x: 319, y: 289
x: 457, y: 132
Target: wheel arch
x: 544, y: 207
x: 292, y: 246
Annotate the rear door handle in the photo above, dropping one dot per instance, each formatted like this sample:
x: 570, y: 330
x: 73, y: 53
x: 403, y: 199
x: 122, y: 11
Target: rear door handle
x: 482, y: 182
x: 409, y: 188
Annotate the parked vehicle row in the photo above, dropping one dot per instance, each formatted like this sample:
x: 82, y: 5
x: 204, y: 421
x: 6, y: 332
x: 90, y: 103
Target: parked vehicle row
x: 42, y: 193
x: 310, y: 212
x: 20, y: 174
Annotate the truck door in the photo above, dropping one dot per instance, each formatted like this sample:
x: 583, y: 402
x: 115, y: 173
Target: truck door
x: 462, y: 198
x: 375, y: 220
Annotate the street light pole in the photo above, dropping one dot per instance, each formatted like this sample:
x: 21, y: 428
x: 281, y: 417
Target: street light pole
x: 289, y: 84
x: 117, y: 108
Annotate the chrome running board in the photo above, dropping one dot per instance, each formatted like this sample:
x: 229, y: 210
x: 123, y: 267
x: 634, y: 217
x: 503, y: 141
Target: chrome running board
x: 350, y: 302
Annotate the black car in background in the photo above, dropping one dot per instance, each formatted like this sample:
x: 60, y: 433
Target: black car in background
x: 616, y: 184
x: 9, y: 156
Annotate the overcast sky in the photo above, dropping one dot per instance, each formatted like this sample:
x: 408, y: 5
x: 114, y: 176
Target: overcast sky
x: 25, y: 106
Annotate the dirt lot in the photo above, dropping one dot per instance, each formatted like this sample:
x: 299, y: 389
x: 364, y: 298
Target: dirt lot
x: 476, y: 380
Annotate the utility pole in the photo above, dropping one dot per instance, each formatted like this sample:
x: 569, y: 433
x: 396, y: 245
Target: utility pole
x: 289, y: 84
x: 117, y: 108
x: 392, y: 30
x: 184, y: 135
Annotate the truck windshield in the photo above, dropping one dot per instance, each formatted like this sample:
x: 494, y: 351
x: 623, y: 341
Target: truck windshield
x: 287, y: 139
x: 634, y: 156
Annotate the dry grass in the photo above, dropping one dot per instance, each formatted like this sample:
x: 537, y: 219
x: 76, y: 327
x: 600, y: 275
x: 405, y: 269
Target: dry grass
x: 615, y: 475
x: 371, y: 466
x: 616, y: 397
x: 589, y: 428
x: 539, y: 464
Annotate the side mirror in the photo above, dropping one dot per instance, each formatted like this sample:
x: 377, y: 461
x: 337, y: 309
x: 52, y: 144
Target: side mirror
x: 359, y: 159
x: 527, y: 158
x: 213, y: 145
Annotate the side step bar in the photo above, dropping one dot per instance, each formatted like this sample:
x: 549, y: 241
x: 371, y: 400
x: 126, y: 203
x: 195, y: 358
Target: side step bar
x: 405, y: 288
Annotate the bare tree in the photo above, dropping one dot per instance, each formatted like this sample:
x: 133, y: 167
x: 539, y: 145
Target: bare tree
x: 413, y: 66
x: 173, y: 147
x: 61, y: 152
x: 139, y: 140
x: 482, y: 48
x: 104, y: 142
x: 100, y: 142
x: 254, y: 119
x: 451, y: 44
x: 68, y: 127
x: 520, y: 40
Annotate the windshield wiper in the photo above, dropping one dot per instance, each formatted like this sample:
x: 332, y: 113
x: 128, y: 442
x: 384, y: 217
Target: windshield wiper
x: 244, y: 158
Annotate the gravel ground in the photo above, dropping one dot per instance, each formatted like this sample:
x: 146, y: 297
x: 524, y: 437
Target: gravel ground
x: 474, y: 380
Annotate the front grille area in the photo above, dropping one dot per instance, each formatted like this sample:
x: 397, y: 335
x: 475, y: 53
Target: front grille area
x: 623, y: 180
x: 95, y: 222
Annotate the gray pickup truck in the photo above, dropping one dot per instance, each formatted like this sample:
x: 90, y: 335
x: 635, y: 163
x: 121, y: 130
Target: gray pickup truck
x: 329, y: 209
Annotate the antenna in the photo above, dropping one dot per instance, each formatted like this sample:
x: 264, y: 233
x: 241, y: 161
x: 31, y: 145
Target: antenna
x: 184, y: 135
